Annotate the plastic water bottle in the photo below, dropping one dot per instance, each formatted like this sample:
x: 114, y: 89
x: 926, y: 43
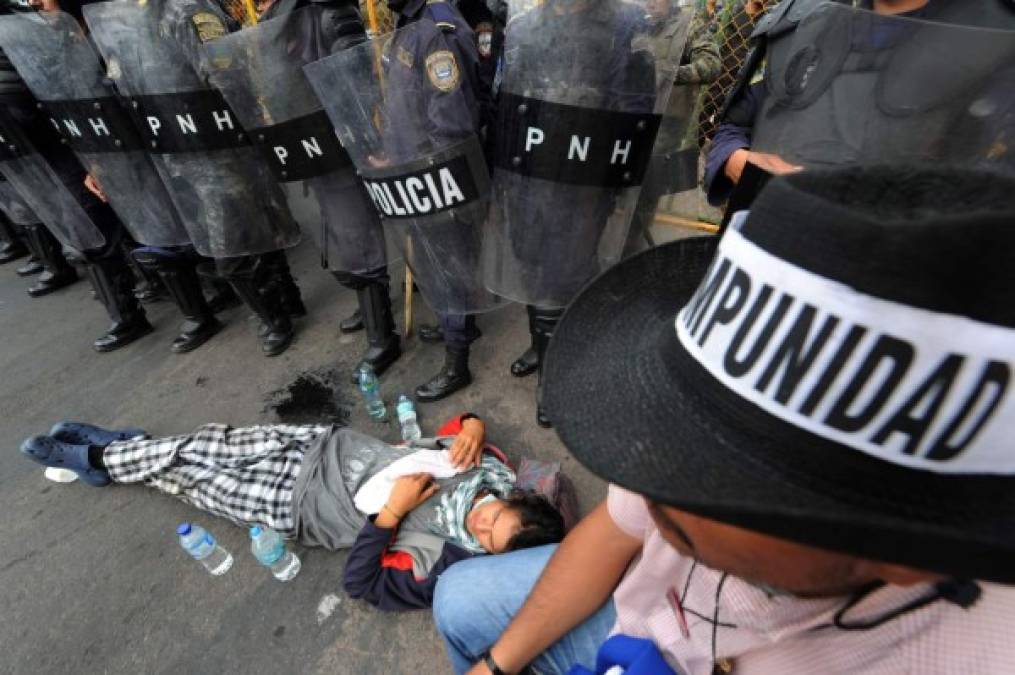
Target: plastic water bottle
x: 407, y: 419
x: 370, y: 387
x: 269, y: 548
x: 201, y: 546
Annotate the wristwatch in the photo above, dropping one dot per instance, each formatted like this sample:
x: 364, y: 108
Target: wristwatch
x: 491, y: 664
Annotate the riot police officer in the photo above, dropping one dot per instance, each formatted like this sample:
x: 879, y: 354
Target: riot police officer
x: 456, y: 67
x: 735, y: 146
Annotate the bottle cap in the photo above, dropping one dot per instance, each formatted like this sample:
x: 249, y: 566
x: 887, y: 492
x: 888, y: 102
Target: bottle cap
x: 255, y: 532
x: 183, y: 529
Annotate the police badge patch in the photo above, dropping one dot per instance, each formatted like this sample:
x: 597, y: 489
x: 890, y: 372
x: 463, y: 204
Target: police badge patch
x: 209, y: 27
x: 442, y: 69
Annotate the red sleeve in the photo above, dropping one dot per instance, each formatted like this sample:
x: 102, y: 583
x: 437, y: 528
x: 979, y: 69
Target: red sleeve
x: 452, y: 426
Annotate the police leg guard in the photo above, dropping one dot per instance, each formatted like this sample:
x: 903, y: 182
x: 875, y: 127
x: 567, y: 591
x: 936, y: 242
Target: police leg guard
x: 58, y: 272
x: 528, y: 362
x: 276, y: 267
x: 454, y: 375
x: 544, y: 324
x: 383, y: 344
x: 180, y: 279
x: 148, y: 285
x: 34, y: 263
x: 262, y: 297
x: 11, y: 246
x: 354, y: 322
x: 114, y: 285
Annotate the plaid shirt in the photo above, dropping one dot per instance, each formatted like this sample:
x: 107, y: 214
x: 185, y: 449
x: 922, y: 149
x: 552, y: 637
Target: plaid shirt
x: 244, y: 475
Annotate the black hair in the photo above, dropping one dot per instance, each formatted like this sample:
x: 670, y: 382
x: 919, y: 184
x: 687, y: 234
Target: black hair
x: 541, y: 521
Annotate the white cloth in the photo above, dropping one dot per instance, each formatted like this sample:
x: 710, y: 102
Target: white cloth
x: 372, y: 496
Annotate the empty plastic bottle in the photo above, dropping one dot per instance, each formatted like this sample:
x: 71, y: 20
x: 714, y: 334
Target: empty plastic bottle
x: 370, y: 387
x: 201, y: 546
x: 269, y: 548
x: 407, y: 419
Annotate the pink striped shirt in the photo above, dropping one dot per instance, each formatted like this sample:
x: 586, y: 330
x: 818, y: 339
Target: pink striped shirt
x: 783, y: 635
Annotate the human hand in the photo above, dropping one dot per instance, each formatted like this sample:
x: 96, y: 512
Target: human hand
x: 479, y: 669
x: 409, y: 492
x: 773, y: 164
x: 45, y: 5
x: 468, y: 446
x: 93, y: 186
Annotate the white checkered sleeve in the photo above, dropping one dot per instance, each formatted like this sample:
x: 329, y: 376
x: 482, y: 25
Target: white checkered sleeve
x: 245, y: 475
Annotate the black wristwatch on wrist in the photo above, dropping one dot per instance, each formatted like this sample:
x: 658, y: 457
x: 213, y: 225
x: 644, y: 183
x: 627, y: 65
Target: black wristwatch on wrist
x: 491, y: 664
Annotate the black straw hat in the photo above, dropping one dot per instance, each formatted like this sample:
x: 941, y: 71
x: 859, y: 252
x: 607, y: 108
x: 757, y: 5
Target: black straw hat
x: 836, y: 371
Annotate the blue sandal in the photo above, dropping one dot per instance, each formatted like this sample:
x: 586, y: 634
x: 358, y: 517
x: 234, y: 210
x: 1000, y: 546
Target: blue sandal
x: 48, y: 451
x: 81, y: 433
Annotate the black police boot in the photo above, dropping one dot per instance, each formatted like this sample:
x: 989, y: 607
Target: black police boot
x: 430, y: 333
x: 148, y: 286
x: 263, y: 300
x: 352, y: 323
x: 58, y: 272
x: 114, y: 285
x: 11, y: 246
x: 276, y: 268
x: 454, y: 375
x: 544, y: 323
x: 528, y: 362
x: 32, y: 266
x: 221, y: 295
x: 180, y: 279
x: 383, y: 344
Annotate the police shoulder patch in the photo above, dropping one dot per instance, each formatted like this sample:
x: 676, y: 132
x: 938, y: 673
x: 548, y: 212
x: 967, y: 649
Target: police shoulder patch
x: 404, y: 56
x: 209, y: 27
x: 442, y: 69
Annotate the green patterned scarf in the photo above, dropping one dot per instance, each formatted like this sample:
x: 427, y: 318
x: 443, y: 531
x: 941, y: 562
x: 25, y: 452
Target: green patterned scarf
x: 449, y: 519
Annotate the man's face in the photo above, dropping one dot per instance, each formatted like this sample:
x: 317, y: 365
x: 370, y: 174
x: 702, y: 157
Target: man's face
x: 657, y: 9
x: 493, y: 525
x: 767, y: 561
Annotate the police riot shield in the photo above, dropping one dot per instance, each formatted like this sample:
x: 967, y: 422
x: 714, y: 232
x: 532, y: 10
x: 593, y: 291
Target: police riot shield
x: 580, y: 105
x: 223, y: 191
x: 40, y: 187
x: 60, y: 67
x: 14, y: 205
x: 861, y: 88
x: 401, y: 109
x: 259, y: 71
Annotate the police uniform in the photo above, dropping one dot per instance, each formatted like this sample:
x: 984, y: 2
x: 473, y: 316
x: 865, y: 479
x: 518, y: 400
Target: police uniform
x: 449, y: 59
x: 341, y: 27
x: 749, y: 101
x: 674, y: 165
x: 263, y: 282
x: 624, y: 81
x: 107, y: 266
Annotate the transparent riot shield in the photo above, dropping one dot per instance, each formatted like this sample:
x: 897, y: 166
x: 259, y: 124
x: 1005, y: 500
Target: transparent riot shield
x: 402, y: 111
x: 40, y: 186
x: 861, y: 88
x: 60, y: 66
x: 580, y: 105
x: 223, y: 191
x: 259, y: 71
x: 14, y: 205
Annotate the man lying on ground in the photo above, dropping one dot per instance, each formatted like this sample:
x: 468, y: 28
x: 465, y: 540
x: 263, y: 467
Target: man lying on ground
x: 331, y: 487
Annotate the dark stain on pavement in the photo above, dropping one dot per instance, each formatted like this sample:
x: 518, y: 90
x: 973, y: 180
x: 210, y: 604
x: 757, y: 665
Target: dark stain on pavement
x: 314, y: 397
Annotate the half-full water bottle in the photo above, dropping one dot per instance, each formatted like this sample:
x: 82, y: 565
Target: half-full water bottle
x: 269, y: 548
x: 370, y: 387
x: 407, y: 419
x: 201, y: 546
